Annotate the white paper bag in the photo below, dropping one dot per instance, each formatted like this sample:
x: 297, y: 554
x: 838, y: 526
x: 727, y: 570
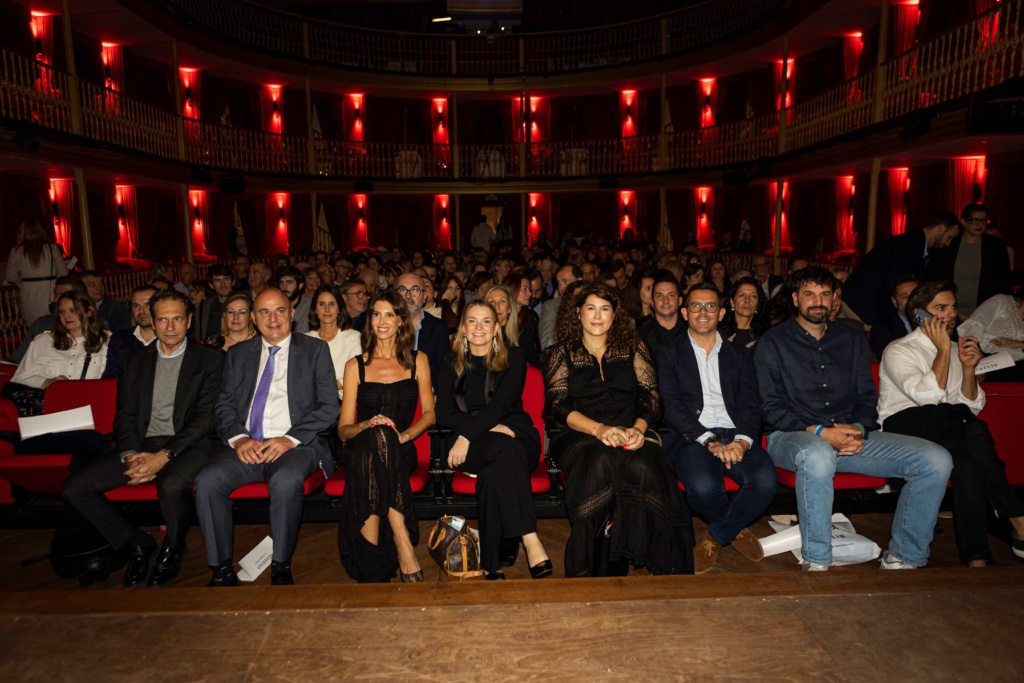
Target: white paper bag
x: 64, y: 421
x: 258, y: 559
x: 848, y: 547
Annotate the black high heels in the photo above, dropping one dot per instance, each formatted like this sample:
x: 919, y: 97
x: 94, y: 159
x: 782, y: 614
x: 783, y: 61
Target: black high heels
x: 541, y: 570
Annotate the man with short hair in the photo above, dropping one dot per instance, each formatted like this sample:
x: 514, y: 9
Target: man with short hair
x: 431, y: 334
x: 208, y: 319
x: 482, y: 235
x: 342, y: 269
x: 292, y: 284
x: 319, y: 258
x: 618, y: 270
x: 278, y: 394
x: 977, y: 262
x: 546, y: 266
x: 355, y: 296
x: 122, y: 344
x: 163, y: 429
x: 565, y: 276
x: 187, y: 275
x: 327, y: 274
x: 928, y: 388
x: 869, y: 287
x: 713, y: 410
x: 242, y: 272
x: 761, y: 267
x: 819, y: 399
x: 259, y: 279
x: 666, y: 325
x: 45, y: 323
x: 589, y: 271
x: 896, y: 325
x: 114, y: 313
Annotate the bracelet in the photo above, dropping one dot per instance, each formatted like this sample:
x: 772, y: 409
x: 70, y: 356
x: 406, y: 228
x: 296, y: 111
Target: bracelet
x: 593, y: 432
x: 818, y: 430
x: 863, y: 431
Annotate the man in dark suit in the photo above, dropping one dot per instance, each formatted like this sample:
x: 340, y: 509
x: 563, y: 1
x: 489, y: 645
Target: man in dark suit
x: 114, y: 313
x: 761, y: 265
x: 979, y: 264
x: 713, y: 409
x: 124, y: 343
x: 432, y: 336
x: 896, y: 325
x: 208, y: 319
x: 868, y: 289
x: 164, y: 431
x: 278, y: 394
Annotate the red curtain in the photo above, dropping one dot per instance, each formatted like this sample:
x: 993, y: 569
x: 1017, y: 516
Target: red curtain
x: 966, y: 181
x: 844, y: 212
x: 899, y: 183
x: 704, y: 211
x: 907, y: 17
x: 359, y: 219
x: 853, y: 48
x: 62, y: 204
x: 127, y: 222
x: 199, y: 219
x: 773, y: 198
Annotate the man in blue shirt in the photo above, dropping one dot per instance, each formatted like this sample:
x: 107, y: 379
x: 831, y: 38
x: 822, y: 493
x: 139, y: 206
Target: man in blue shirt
x: 820, y: 402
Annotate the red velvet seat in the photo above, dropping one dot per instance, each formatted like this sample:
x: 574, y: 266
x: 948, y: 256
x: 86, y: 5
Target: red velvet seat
x: 335, y: 486
x: 1004, y: 406
x: 533, y: 402
x: 730, y: 485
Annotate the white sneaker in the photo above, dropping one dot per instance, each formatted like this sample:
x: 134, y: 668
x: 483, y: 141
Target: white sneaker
x: 809, y: 566
x: 890, y: 562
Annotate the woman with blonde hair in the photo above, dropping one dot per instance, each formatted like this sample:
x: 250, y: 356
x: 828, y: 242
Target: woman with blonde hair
x: 34, y: 265
x: 237, y: 325
x: 479, y: 396
x: 506, y: 304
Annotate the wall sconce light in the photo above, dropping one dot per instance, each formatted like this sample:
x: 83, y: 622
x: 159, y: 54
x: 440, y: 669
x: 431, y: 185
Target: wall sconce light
x: 703, y: 208
x: 275, y: 106
x: 533, y: 118
x: 533, y: 212
x: 440, y: 121
x: 188, y: 93
x: 707, y: 101
x: 444, y: 214
x: 280, y: 213
x: 39, y: 46
x: 625, y: 211
x: 359, y: 115
x: 361, y: 215
x: 629, y: 111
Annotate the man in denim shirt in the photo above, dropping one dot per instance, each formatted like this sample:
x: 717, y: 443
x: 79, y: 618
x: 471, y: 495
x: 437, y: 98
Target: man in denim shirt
x: 820, y: 402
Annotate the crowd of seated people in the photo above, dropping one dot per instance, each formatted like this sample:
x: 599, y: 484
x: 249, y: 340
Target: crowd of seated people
x: 662, y: 373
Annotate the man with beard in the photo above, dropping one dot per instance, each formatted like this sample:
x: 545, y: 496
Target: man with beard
x: 819, y: 401
x: 122, y: 344
x: 292, y: 284
x: 666, y: 325
x: 431, y: 334
x: 208, y: 318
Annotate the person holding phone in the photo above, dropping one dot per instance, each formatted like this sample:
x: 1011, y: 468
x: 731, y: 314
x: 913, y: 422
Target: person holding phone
x: 928, y: 389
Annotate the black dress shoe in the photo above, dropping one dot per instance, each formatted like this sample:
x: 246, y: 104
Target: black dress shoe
x: 139, y: 558
x: 228, y: 580
x: 508, y: 551
x: 496, y: 576
x: 541, y: 570
x: 167, y: 567
x: 282, y: 577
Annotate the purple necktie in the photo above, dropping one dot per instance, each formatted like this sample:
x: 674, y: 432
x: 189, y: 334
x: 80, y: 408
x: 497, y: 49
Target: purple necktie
x: 259, y: 401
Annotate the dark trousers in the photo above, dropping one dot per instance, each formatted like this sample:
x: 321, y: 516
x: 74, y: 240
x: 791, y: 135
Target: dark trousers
x: 702, y: 475
x: 84, y: 493
x: 285, y: 479
x: 979, y: 476
x: 503, y: 493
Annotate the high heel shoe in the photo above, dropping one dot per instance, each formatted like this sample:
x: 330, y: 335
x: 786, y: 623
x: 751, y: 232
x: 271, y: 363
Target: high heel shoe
x: 541, y: 570
x: 415, y: 577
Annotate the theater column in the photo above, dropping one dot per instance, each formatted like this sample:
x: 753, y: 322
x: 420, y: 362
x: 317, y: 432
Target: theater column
x: 83, y: 218
x: 869, y: 237
x: 187, y: 213
x: 180, y: 131
x: 77, y: 120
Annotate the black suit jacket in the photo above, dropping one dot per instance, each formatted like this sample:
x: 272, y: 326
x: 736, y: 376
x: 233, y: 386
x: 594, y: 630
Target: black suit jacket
x: 868, y: 290
x: 207, y: 319
x: 435, y: 342
x: 119, y: 347
x: 886, y: 332
x: 683, y: 397
x: 996, y: 274
x: 312, y: 393
x: 194, y: 397
x: 115, y: 314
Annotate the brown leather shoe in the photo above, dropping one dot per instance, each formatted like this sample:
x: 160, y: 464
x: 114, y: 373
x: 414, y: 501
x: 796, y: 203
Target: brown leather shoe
x: 748, y: 546
x: 705, y: 554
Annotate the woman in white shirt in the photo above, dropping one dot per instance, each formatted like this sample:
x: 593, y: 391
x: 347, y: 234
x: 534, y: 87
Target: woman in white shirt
x: 76, y: 349
x: 33, y: 266
x: 329, y: 321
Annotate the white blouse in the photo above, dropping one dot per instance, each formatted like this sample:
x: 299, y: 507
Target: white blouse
x: 42, y: 362
x: 345, y: 346
x: 996, y: 318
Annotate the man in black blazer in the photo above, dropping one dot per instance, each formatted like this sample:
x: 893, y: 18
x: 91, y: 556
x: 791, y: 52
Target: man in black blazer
x: 761, y: 266
x: 278, y: 394
x: 432, y: 335
x: 126, y: 342
x: 713, y: 410
x: 164, y: 430
x: 868, y: 289
x: 114, y: 313
x: 896, y: 326
x: 978, y: 263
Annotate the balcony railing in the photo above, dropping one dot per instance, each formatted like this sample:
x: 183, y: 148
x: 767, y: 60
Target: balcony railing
x: 983, y: 53
x: 268, y: 31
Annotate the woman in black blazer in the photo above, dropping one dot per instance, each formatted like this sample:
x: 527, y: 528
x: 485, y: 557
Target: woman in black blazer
x: 479, y: 396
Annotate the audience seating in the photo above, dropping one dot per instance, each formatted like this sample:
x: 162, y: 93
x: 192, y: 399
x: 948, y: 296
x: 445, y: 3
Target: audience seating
x: 533, y: 402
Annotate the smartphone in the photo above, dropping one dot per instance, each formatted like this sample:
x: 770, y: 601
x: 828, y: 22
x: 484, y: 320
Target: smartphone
x: 920, y: 316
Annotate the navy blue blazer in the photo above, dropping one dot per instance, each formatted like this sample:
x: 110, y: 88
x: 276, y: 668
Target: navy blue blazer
x: 120, y: 346
x: 683, y: 397
x: 886, y: 332
x: 868, y: 290
x: 312, y: 393
x: 435, y: 341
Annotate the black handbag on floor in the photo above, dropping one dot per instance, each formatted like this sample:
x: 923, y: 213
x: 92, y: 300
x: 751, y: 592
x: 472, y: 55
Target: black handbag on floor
x: 82, y: 553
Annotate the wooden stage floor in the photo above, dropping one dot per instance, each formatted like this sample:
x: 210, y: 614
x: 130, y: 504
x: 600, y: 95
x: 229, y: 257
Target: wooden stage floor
x: 741, y: 621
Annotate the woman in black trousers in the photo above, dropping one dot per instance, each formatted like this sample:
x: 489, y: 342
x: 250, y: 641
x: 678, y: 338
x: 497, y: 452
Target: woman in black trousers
x: 479, y: 396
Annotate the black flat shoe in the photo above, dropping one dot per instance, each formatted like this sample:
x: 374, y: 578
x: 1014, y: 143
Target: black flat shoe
x: 541, y: 570
x: 282, y: 577
x: 167, y: 567
x: 495, y: 576
x: 415, y: 577
x: 227, y: 581
x: 508, y: 551
x: 139, y: 559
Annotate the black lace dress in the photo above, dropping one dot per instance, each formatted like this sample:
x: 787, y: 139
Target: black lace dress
x: 377, y: 471
x: 634, y: 490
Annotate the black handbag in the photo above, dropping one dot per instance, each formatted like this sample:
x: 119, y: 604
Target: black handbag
x: 82, y: 553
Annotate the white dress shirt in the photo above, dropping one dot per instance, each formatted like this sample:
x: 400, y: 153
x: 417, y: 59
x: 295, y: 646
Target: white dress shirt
x: 906, y: 379
x: 277, y: 419
x: 714, y: 414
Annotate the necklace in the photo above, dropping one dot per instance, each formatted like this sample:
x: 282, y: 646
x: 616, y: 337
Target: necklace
x: 238, y: 340
x: 596, y: 351
x: 593, y: 352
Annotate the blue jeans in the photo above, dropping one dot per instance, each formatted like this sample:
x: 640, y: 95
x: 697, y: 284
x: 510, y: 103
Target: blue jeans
x: 702, y: 473
x: 924, y: 465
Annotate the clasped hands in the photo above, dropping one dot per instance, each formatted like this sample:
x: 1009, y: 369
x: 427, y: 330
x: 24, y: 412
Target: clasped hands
x: 143, y: 467
x: 629, y: 438
x: 846, y: 439
x: 253, y: 452
x: 378, y: 420
x: 729, y: 453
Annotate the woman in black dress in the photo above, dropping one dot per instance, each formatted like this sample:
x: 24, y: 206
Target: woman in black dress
x: 378, y: 526
x: 602, y: 395
x: 479, y: 396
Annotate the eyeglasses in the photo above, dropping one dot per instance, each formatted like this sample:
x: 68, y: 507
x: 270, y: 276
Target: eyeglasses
x: 709, y: 306
x: 358, y: 295
x: 415, y: 291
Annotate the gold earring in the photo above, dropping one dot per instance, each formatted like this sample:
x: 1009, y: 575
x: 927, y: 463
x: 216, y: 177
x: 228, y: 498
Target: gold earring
x: 495, y: 342
x: 465, y: 344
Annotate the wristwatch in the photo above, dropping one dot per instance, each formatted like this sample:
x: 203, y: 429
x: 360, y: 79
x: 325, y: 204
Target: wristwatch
x: 169, y: 453
x: 710, y: 440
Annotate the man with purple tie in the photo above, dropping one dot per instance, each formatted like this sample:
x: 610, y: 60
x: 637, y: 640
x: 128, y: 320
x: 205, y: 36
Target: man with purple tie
x: 277, y: 395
